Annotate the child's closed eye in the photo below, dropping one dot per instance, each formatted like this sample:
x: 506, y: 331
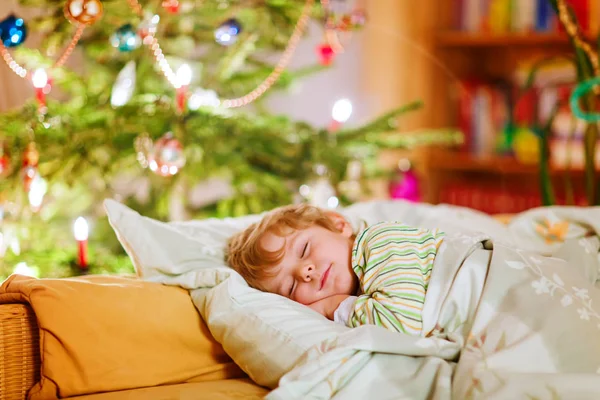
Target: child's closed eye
x: 304, y: 250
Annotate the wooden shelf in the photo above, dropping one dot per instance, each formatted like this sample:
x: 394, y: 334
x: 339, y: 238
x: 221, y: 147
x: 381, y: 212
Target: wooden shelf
x: 456, y: 162
x: 464, y: 40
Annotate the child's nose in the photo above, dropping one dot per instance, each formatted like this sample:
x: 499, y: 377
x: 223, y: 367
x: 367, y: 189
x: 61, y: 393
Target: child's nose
x: 307, y: 272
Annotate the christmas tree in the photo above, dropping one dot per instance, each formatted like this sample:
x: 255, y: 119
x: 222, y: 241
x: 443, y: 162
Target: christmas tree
x: 166, y: 113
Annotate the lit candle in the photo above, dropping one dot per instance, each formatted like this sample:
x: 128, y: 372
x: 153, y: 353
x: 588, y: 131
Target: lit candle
x: 39, y: 79
x: 37, y: 190
x: 184, y: 77
x: 341, y: 112
x: 80, y: 230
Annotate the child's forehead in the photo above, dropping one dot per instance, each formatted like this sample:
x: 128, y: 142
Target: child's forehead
x: 273, y: 242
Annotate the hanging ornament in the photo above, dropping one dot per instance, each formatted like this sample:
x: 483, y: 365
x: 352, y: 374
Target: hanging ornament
x: 143, y: 147
x: 319, y: 191
x: 124, y: 86
x: 227, y: 33
x: 30, y: 163
x: 166, y: 157
x: 341, y: 17
x: 4, y: 160
x: 13, y: 31
x: 83, y: 11
x: 125, y: 39
x: 406, y: 184
x: 171, y: 6
x: 325, y: 53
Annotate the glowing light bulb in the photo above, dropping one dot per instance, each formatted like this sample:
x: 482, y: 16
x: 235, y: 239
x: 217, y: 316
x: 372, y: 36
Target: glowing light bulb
x: 184, y: 75
x: 80, y: 229
x: 342, y: 110
x: 37, y: 190
x: 39, y: 78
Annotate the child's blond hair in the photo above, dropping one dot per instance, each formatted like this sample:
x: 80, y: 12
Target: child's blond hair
x: 254, y: 263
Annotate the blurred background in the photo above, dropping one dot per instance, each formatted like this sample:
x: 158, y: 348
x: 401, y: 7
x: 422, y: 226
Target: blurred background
x: 180, y: 109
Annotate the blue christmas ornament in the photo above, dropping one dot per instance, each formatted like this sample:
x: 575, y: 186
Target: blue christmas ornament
x: 126, y: 38
x: 227, y: 33
x: 12, y: 31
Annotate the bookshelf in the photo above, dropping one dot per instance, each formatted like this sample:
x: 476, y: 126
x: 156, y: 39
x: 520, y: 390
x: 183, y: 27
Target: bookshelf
x: 490, y: 182
x: 465, y: 41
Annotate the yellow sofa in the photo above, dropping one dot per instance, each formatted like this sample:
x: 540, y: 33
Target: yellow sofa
x: 57, y: 340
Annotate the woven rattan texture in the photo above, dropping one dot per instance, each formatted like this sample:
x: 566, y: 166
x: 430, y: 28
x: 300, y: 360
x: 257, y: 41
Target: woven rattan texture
x: 19, y: 351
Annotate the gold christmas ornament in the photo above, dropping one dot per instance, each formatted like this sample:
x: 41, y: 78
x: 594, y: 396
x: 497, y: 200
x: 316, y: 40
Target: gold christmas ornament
x: 84, y: 12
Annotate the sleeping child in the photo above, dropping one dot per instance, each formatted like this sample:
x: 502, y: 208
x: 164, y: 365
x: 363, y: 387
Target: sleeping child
x: 379, y: 276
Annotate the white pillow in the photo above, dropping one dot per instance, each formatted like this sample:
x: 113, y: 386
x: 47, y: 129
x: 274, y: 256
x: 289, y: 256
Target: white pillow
x: 265, y: 334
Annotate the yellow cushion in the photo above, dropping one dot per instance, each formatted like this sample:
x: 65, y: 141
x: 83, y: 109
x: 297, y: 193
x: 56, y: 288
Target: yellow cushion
x: 230, y: 389
x: 101, y: 334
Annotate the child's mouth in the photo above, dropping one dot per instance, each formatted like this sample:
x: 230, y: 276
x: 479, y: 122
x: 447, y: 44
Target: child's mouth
x: 324, y: 278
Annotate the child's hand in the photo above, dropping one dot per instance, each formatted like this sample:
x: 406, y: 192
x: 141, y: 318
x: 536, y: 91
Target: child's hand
x: 328, y: 305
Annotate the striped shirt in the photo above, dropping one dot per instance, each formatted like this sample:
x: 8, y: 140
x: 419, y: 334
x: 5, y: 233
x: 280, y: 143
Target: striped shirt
x: 393, y: 263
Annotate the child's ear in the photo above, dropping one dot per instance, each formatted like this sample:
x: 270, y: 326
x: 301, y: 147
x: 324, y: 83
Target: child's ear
x: 341, y: 224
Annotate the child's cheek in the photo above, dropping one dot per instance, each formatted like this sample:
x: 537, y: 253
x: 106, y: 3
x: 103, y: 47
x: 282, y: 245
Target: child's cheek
x: 303, y: 297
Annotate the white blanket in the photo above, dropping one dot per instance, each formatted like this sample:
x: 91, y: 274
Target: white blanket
x: 506, y: 323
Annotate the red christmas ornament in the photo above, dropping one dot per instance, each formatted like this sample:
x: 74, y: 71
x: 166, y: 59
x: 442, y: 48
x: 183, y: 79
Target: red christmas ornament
x: 325, y: 53
x: 31, y: 158
x: 171, y: 6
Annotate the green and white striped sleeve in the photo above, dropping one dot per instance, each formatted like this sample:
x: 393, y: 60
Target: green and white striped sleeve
x: 393, y: 263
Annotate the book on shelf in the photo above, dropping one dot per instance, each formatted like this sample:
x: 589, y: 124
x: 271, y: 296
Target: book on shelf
x: 492, y: 114
x: 484, y: 111
x: 521, y: 16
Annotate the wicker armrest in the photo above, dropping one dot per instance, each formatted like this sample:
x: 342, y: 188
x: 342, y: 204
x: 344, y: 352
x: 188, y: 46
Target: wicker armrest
x: 19, y: 351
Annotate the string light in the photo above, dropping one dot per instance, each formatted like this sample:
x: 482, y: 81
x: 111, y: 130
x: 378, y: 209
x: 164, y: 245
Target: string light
x: 22, y: 72
x: 151, y: 41
x: 265, y: 85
